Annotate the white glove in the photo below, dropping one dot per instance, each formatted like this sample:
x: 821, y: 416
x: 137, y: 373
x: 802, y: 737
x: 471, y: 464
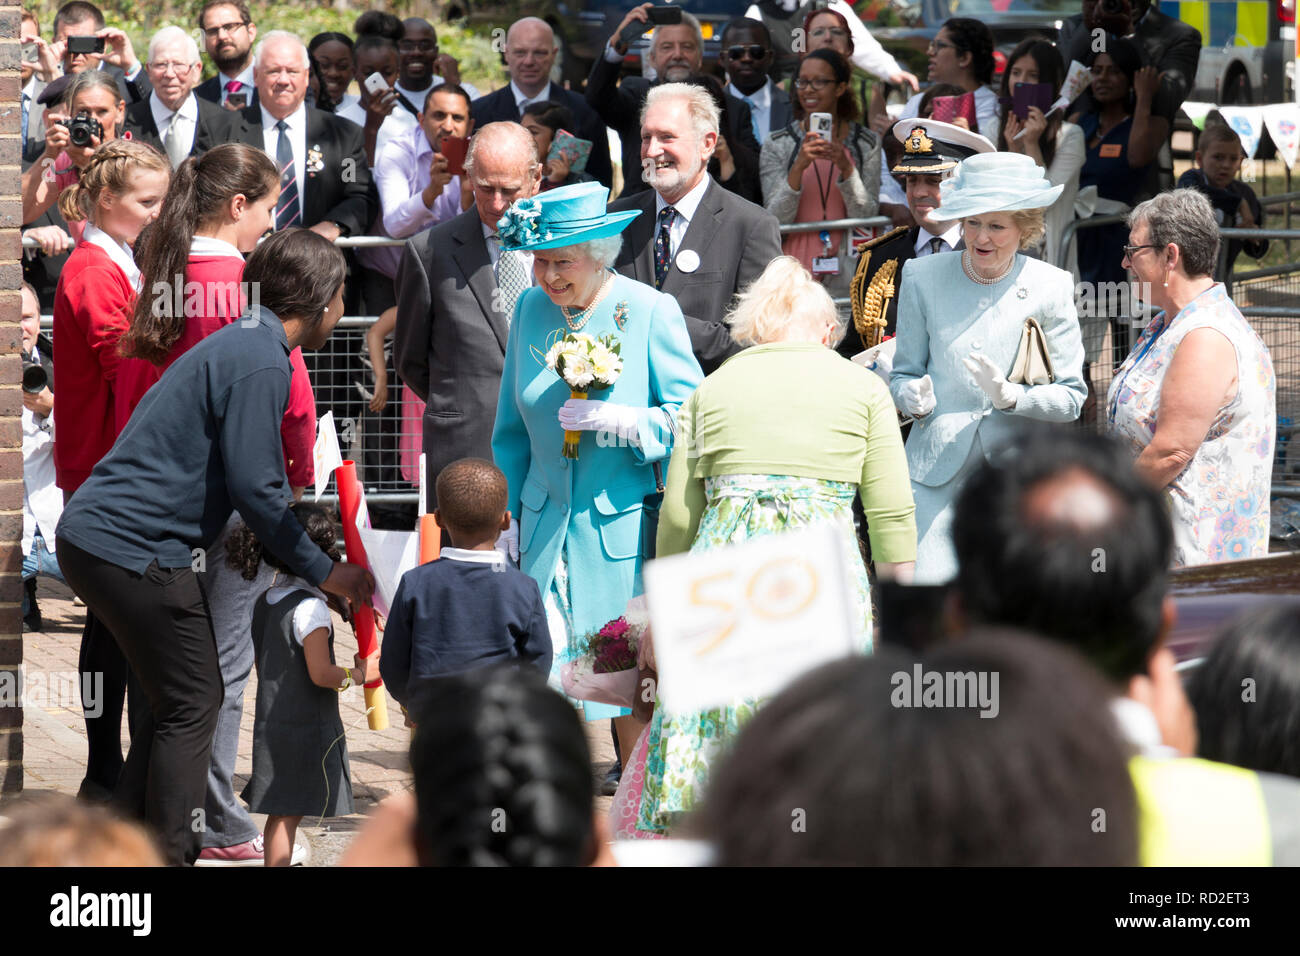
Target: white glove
x: 585, y: 415
x: 508, y: 541
x: 916, y: 396
x: 988, y: 377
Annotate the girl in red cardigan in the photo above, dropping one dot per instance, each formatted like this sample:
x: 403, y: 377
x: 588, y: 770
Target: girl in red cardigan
x: 218, y: 206
x: 119, y: 192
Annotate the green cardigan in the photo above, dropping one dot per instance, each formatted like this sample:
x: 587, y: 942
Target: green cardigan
x: 793, y: 409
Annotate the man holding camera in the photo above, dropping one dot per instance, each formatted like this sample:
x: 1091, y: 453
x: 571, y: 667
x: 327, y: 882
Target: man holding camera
x: 676, y: 53
x: 82, y: 42
x: 42, y: 499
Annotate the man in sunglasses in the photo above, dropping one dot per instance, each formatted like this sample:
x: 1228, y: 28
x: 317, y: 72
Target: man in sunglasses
x: 746, y: 55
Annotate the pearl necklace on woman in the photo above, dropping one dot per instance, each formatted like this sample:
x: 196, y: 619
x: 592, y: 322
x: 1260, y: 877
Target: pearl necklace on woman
x: 968, y: 268
x: 576, y: 322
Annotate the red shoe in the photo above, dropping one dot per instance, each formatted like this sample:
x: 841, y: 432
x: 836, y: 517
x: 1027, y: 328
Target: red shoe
x: 244, y: 854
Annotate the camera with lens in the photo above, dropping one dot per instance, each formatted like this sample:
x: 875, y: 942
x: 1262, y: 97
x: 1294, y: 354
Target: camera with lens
x: 35, y: 378
x: 82, y: 127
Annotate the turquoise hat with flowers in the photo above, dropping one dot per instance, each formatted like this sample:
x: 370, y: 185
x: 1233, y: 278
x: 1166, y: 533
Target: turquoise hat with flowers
x: 562, y: 217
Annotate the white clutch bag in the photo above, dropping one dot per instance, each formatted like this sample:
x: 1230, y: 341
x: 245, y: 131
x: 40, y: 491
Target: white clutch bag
x: 1033, y: 366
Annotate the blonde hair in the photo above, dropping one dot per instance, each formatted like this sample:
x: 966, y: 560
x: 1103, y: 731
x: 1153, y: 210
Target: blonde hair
x: 1031, y: 225
x: 784, y: 304
x: 110, y: 168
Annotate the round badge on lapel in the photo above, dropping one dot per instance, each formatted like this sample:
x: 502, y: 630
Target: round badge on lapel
x: 688, y: 260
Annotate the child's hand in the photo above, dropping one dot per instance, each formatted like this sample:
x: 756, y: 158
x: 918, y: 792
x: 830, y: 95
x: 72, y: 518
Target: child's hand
x: 1245, y: 219
x: 381, y: 390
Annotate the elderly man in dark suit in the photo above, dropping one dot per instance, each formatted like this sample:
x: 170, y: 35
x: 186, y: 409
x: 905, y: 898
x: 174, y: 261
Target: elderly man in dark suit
x: 697, y: 241
x: 530, y: 53
x: 455, y: 295
x: 325, y: 181
x: 676, y: 53
x: 172, y: 119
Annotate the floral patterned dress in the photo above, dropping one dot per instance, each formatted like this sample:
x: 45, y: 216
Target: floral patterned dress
x: 1219, y: 503
x: 670, y: 765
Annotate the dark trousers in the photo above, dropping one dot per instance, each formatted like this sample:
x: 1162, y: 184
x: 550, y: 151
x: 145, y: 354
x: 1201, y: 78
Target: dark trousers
x: 100, y: 655
x: 160, y: 621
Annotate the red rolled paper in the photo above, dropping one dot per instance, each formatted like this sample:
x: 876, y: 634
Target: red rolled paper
x: 363, y: 622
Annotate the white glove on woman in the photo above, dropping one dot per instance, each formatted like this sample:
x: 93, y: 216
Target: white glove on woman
x: 991, y: 380
x: 916, y: 396
x: 585, y: 415
x: 508, y: 541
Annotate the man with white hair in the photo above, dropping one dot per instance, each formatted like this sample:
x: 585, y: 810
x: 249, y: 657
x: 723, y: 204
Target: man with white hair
x: 172, y: 119
x: 676, y: 54
x: 456, y: 290
x: 696, y: 241
x: 530, y: 54
x: 325, y: 181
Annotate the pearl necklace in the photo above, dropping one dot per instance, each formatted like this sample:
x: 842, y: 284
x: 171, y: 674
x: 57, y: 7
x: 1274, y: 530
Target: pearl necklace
x: 576, y: 322
x: 974, y: 276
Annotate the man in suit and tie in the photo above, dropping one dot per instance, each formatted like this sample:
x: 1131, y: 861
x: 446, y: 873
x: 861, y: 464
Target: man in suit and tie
x: 456, y: 291
x: 676, y: 53
x: 696, y: 241
x: 81, y: 19
x: 530, y: 54
x: 228, y: 36
x: 325, y: 181
x: 746, y: 55
x: 173, y: 120
x: 931, y: 152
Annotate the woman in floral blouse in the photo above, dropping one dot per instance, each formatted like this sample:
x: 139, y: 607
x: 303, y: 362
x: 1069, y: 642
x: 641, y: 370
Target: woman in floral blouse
x: 1196, y: 396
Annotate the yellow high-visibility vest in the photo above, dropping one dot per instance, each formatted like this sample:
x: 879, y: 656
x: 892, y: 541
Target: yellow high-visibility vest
x: 1200, y: 813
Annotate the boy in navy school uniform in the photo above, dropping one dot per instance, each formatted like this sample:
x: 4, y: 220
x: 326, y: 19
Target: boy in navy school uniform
x: 1218, y: 160
x: 471, y: 608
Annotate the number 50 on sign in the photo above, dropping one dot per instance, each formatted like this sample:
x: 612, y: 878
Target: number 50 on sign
x: 746, y: 620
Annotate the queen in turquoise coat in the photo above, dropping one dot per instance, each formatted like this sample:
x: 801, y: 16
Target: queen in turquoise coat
x: 581, y: 522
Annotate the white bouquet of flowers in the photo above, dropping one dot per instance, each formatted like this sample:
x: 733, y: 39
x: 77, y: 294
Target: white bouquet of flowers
x: 585, y: 363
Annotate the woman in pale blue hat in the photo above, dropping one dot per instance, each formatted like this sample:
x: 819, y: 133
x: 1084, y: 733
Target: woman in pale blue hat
x: 580, y: 520
x: 961, y: 319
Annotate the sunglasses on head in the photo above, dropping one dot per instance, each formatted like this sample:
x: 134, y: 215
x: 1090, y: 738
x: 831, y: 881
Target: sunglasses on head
x: 755, y: 51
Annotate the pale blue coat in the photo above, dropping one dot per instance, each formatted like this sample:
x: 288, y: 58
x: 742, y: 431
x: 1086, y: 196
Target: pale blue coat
x: 942, y: 318
x: 593, y: 506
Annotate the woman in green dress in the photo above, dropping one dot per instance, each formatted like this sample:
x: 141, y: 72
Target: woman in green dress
x: 783, y: 435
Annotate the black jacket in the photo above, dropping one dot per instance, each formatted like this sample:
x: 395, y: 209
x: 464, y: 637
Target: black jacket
x: 213, y: 126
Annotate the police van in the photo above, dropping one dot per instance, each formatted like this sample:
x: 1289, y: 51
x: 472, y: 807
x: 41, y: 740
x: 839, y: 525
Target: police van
x: 1248, y: 49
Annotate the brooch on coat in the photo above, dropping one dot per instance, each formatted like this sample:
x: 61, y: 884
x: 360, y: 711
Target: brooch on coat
x: 1022, y: 292
x: 620, y: 315
x: 315, y: 161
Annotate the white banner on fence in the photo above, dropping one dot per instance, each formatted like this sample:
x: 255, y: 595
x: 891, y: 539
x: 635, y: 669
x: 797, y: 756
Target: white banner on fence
x: 1282, y: 120
x: 325, y: 452
x: 744, y: 621
x: 1248, y: 121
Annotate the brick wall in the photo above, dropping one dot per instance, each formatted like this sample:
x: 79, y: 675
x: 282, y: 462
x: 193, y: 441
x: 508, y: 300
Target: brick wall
x: 11, y: 438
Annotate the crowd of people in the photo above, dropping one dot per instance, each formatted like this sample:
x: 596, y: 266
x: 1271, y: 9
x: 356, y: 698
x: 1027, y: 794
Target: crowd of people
x: 915, y: 391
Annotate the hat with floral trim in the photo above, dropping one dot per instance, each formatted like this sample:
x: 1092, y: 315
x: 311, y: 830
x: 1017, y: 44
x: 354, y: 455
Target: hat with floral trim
x: 562, y: 217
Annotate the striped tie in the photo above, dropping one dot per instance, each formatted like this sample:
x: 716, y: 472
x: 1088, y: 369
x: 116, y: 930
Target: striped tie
x: 288, y: 211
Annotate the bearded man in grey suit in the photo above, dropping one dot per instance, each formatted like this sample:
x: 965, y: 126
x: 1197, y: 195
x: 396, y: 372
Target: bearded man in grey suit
x: 456, y: 291
x: 697, y: 241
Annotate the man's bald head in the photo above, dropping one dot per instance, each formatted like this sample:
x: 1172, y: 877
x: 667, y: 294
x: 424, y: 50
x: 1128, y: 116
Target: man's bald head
x: 530, y: 54
x: 1059, y: 536
x: 502, y: 166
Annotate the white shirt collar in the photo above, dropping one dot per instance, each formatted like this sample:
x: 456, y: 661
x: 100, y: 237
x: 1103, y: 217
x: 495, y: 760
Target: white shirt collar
x: 297, y: 120
x: 761, y: 97
x: 119, y: 252
x: 472, y: 557
x: 161, y: 114
x: 952, y: 237
x: 212, y: 246
x: 687, y: 205
x: 29, y: 90
x: 1138, y: 726
x: 522, y: 98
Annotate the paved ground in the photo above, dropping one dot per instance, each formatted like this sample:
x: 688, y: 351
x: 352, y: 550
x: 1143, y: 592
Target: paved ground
x: 55, y: 740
